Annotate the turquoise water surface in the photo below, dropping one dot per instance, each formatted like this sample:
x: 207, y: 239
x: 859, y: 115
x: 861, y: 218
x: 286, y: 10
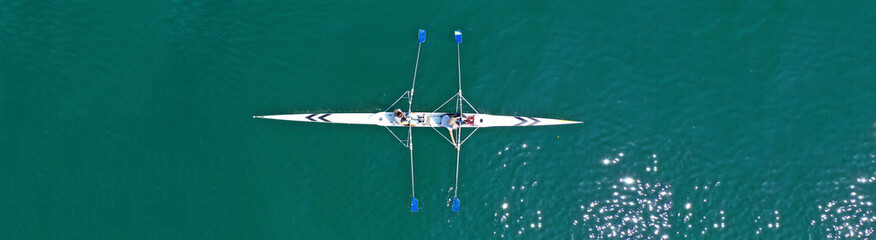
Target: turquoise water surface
x: 702, y: 120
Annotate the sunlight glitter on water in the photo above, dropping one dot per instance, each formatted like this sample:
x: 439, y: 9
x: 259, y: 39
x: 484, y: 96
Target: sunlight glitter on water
x: 517, y: 219
x: 608, y: 161
x: 849, y: 218
x: 640, y: 211
x: 698, y: 219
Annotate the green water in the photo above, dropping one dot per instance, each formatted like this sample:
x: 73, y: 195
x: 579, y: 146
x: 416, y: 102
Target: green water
x: 742, y: 120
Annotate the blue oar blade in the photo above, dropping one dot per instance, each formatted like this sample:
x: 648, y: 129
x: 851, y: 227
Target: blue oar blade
x: 422, y: 35
x: 456, y: 203
x: 414, y: 205
x: 458, y: 35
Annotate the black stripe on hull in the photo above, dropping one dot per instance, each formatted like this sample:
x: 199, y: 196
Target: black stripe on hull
x: 522, y: 121
x: 533, y: 119
x: 323, y: 117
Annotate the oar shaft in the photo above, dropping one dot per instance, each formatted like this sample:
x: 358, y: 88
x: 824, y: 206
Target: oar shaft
x: 456, y: 201
x: 456, y: 188
x: 411, y: 147
x: 414, y: 84
x: 459, y: 68
x: 458, y: 35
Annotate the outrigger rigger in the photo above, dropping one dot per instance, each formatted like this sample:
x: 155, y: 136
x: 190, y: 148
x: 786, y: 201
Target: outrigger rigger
x: 453, y: 121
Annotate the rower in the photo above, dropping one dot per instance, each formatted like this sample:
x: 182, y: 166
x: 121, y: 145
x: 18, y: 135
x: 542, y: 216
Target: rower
x: 451, y: 122
x: 469, y: 120
x: 400, y: 117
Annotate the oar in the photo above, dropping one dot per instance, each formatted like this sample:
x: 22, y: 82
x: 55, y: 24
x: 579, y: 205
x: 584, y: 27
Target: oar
x: 456, y: 202
x: 414, y: 205
x: 421, y: 34
x: 458, y: 34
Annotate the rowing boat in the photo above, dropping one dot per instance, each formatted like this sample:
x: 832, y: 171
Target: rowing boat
x: 435, y: 119
x: 420, y: 119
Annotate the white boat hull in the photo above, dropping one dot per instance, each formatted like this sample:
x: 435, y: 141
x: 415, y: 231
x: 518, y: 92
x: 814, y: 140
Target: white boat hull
x: 419, y: 119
